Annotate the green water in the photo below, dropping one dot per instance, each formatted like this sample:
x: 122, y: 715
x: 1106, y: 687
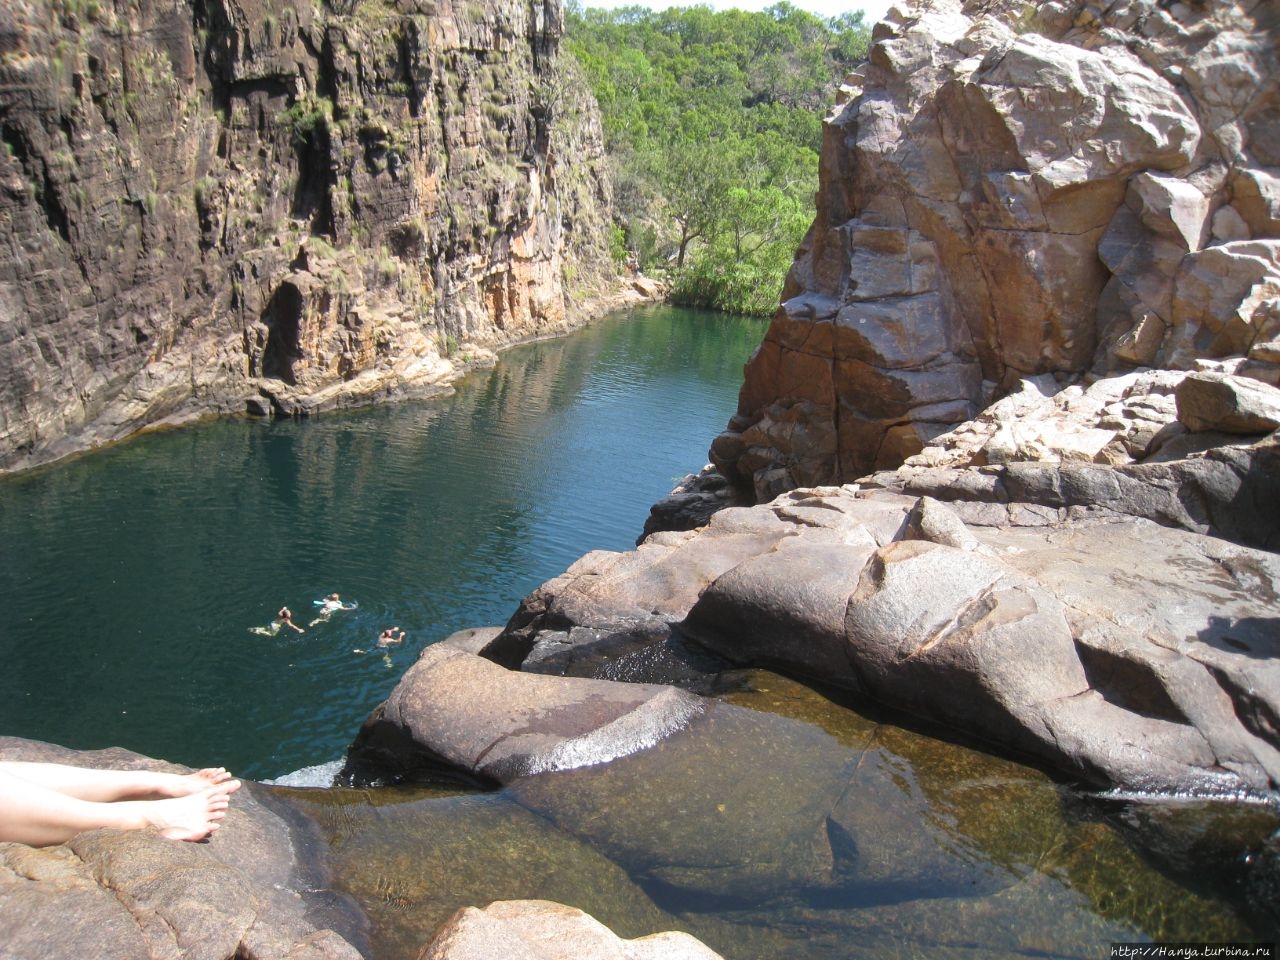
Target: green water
x: 131, y: 578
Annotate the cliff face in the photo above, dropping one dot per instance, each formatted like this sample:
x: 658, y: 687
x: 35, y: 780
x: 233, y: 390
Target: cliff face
x: 214, y: 206
x: 1011, y: 191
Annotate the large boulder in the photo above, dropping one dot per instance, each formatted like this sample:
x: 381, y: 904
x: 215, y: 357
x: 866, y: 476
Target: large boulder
x: 1011, y: 193
x: 457, y: 712
x: 1109, y: 647
x: 252, y: 890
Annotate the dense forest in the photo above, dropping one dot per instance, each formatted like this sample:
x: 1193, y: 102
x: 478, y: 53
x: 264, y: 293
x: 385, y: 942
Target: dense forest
x: 713, y: 126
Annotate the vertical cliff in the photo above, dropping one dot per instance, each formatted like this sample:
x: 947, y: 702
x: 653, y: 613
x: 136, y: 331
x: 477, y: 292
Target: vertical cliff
x: 213, y: 206
x: 1014, y: 190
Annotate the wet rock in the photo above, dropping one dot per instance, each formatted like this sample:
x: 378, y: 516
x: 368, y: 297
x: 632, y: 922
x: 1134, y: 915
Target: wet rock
x: 460, y: 712
x: 540, y: 930
x: 250, y: 890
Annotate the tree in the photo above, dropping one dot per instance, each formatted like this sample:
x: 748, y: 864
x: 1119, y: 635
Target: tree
x: 713, y: 124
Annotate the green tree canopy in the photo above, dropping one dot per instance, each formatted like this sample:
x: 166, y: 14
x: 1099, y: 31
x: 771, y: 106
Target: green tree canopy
x: 713, y: 123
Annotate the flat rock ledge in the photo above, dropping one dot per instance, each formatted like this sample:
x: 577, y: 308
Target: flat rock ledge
x: 1107, y: 647
x: 131, y: 895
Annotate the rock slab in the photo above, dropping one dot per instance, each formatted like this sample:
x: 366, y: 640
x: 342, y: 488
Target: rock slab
x: 455, y: 711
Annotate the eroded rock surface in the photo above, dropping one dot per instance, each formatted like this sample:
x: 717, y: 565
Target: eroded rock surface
x: 249, y: 891
x: 280, y: 206
x: 1009, y: 193
x: 1109, y: 647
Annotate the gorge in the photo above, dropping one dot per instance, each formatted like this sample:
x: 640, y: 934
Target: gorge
x: 966, y: 644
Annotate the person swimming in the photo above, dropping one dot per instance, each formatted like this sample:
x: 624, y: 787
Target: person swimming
x: 329, y: 606
x: 284, y: 618
x: 389, y: 636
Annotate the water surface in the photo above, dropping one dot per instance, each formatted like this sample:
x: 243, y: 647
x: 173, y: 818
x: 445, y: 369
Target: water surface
x: 132, y: 577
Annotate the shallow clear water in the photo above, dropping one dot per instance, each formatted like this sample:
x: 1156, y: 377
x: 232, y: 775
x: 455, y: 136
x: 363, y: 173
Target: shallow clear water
x: 782, y: 826
x: 131, y: 578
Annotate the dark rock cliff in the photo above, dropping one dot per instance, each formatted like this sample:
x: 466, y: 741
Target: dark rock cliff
x: 213, y: 206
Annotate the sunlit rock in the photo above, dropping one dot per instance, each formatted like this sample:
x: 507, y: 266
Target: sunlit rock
x: 1063, y: 190
x: 541, y: 930
x: 251, y: 890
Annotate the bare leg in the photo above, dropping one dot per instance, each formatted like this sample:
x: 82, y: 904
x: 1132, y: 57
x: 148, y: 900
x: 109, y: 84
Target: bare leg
x: 105, y: 786
x: 37, y: 815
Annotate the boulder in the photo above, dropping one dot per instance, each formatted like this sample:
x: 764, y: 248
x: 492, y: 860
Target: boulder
x: 251, y: 890
x: 541, y: 930
x: 1228, y: 404
x: 455, y: 711
x: 989, y: 613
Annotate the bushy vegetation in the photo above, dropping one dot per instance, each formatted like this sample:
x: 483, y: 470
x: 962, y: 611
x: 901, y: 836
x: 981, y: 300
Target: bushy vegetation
x: 713, y: 124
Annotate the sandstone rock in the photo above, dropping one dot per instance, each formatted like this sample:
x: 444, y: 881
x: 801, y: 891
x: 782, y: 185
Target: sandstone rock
x: 458, y: 711
x: 1224, y: 491
x: 541, y: 930
x: 1016, y: 616
x: 1074, y: 192
x: 1228, y: 404
x: 250, y: 890
x: 280, y: 205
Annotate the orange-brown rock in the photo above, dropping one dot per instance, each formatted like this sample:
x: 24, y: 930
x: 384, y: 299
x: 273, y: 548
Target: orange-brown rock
x: 1008, y: 193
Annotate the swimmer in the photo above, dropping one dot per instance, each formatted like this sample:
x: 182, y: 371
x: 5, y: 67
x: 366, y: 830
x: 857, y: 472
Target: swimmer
x: 388, y: 637
x: 285, y: 616
x: 48, y: 803
x: 328, y: 606
x: 283, y: 619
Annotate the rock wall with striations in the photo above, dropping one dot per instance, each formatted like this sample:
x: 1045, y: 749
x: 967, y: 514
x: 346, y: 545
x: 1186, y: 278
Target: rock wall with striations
x: 279, y: 206
x: 1010, y: 191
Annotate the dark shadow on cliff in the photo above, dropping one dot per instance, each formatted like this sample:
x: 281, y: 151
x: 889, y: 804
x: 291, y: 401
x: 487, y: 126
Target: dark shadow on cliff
x: 283, y: 318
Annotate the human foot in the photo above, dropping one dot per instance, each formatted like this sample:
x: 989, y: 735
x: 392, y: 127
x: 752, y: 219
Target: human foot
x: 191, y: 817
x: 183, y: 785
